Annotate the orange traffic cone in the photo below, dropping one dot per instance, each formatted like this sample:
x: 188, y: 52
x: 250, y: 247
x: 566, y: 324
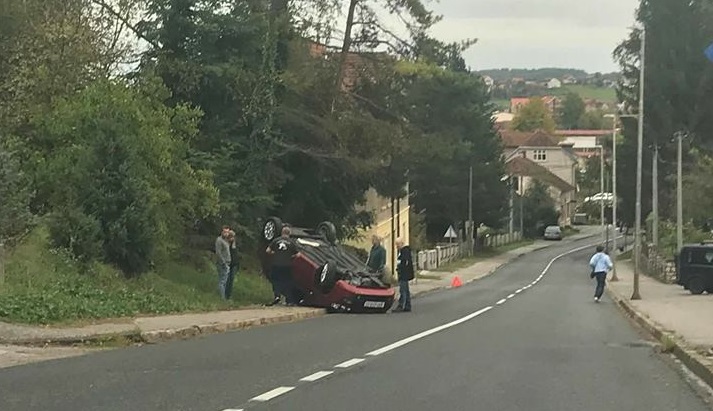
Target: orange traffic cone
x: 456, y: 282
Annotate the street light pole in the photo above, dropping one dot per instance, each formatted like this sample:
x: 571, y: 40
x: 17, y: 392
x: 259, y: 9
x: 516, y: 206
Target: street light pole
x: 636, y: 295
x: 601, y: 188
x: 679, y: 194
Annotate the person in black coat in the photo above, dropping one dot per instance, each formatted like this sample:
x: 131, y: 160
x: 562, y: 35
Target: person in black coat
x: 405, y: 271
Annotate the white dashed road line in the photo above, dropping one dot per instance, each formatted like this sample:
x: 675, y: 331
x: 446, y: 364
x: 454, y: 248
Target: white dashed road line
x: 316, y: 376
x: 272, y: 394
x: 354, y: 361
x: 349, y: 363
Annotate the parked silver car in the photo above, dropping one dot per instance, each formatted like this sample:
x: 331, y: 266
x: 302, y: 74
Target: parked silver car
x: 553, y: 232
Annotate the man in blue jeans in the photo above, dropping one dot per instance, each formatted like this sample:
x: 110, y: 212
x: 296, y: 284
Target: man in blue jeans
x: 405, y: 271
x: 601, y: 264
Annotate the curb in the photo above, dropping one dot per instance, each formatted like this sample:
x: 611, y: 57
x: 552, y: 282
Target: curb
x: 691, y: 359
x: 137, y: 336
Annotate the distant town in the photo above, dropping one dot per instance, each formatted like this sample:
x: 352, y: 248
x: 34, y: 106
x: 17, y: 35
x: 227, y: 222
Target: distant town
x: 511, y: 88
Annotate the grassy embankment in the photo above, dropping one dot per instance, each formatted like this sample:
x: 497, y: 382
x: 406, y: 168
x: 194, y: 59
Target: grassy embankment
x: 46, y: 286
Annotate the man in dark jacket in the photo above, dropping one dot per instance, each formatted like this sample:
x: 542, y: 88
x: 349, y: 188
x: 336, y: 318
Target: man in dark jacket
x: 377, y: 256
x: 283, y: 250
x: 405, y: 271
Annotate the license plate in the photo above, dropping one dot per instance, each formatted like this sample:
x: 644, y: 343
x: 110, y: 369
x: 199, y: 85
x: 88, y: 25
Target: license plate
x: 374, y: 304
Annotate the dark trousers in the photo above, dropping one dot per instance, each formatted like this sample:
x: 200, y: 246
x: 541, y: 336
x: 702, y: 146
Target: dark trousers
x: 601, y: 282
x: 282, y: 283
x: 231, y: 279
x: 405, y: 295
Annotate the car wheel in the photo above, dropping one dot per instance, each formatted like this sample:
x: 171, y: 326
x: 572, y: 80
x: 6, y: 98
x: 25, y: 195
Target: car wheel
x: 327, y: 230
x: 326, y: 277
x: 696, y: 286
x: 272, y: 229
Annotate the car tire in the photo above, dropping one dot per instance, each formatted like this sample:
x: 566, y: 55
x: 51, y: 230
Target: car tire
x: 272, y: 229
x: 696, y: 286
x: 327, y: 230
x: 325, y: 278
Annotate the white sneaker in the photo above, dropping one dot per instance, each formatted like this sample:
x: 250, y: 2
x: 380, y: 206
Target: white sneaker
x: 596, y: 299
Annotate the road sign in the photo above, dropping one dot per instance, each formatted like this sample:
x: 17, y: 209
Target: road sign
x: 450, y: 233
x: 709, y: 52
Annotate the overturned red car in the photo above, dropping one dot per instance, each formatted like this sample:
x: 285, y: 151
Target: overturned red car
x: 328, y: 275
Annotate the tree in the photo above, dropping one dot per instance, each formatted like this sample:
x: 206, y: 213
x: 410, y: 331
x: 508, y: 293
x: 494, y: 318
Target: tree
x: 571, y: 111
x: 679, y: 83
x: 534, y: 116
x: 538, y: 210
x: 592, y: 120
x: 218, y: 56
x: 446, y: 130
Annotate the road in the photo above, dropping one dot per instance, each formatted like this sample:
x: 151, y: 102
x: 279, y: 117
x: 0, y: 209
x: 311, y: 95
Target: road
x: 548, y: 347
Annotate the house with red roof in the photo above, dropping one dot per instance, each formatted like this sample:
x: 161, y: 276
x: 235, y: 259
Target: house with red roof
x: 540, y: 156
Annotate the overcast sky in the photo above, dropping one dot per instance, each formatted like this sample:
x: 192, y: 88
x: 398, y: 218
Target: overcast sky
x: 537, y: 33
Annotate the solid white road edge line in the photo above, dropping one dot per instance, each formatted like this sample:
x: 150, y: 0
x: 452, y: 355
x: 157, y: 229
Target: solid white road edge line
x: 316, y: 376
x: 272, y: 394
x: 511, y: 295
x: 501, y: 302
x: 349, y: 363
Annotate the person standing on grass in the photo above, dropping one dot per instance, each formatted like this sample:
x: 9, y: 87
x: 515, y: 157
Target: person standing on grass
x: 405, y: 272
x: 601, y: 264
x: 283, y: 250
x: 234, y: 265
x: 222, y: 252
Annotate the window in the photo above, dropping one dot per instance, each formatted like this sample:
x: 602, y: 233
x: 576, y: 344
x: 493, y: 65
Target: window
x: 539, y: 155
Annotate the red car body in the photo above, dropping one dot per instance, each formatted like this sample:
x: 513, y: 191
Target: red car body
x: 327, y: 275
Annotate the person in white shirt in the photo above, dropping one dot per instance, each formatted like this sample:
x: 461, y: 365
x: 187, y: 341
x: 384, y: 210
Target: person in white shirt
x: 601, y: 264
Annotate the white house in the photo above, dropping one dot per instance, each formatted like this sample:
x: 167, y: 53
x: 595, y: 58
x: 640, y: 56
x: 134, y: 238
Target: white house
x: 554, y: 83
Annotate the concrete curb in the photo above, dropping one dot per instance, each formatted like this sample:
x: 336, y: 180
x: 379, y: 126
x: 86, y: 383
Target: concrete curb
x: 157, y: 336
x: 689, y: 357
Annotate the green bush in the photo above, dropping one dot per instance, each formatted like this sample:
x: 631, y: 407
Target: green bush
x: 117, y: 177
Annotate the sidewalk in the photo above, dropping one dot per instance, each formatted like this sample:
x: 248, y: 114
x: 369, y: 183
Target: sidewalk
x: 679, y: 320
x: 469, y: 274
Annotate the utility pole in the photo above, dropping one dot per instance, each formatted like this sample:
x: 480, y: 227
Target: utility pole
x: 655, y: 199
x: 470, y: 211
x: 636, y: 295
x: 522, y: 200
x: 679, y: 194
x: 511, y: 185
x: 614, y: 199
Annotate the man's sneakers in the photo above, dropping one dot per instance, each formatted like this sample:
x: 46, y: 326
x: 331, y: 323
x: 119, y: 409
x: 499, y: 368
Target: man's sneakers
x: 400, y: 309
x: 597, y: 299
x: 274, y: 302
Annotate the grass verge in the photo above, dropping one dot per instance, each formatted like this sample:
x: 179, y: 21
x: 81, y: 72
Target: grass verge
x: 46, y: 286
x: 466, y: 262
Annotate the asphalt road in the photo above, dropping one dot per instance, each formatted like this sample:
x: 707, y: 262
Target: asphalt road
x: 548, y: 347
